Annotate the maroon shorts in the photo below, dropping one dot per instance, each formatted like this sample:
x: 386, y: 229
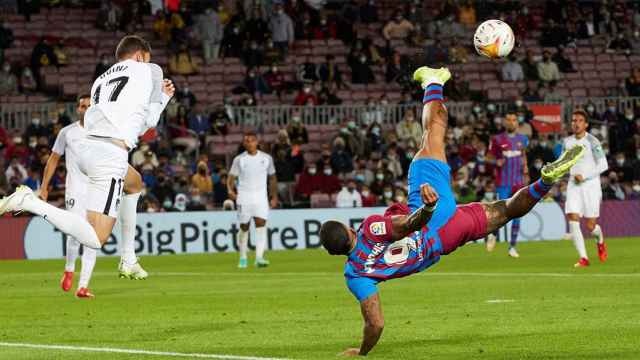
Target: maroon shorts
x: 468, y: 223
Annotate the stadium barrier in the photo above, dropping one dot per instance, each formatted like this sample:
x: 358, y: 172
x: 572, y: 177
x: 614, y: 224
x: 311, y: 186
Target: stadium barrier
x: 18, y: 116
x: 216, y: 231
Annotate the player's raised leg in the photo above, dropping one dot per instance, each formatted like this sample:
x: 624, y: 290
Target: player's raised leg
x: 501, y: 212
x: 129, y: 266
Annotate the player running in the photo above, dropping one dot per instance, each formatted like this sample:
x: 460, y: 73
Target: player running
x: 66, y: 145
x: 584, y: 192
x: 508, y: 151
x: 126, y: 101
x: 392, y: 246
x: 251, y: 169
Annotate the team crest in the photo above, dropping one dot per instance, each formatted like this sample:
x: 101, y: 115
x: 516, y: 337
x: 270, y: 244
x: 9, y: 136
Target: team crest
x: 378, y: 228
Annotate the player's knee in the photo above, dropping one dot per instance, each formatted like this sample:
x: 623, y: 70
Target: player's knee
x: 133, y: 182
x: 591, y: 225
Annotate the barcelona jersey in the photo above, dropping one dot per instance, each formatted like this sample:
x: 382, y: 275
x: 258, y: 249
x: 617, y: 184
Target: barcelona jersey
x: 511, y: 150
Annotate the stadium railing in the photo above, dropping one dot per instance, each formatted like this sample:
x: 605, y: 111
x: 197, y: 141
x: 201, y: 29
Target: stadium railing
x: 18, y: 116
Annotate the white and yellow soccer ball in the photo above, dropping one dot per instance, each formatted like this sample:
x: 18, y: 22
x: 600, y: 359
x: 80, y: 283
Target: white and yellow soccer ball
x: 494, y: 39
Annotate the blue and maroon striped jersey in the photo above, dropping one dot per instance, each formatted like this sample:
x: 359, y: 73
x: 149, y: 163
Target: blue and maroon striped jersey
x: 377, y: 258
x: 511, y: 150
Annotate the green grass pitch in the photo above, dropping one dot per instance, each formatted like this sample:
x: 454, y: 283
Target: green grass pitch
x: 471, y: 305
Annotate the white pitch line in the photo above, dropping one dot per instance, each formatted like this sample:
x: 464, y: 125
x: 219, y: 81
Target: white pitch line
x: 499, y: 301
x: 134, y: 351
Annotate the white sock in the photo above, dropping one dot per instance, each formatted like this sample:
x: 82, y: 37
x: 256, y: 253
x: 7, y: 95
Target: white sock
x: 261, y: 241
x: 597, y: 232
x: 73, y: 248
x: 243, y: 243
x: 128, y: 219
x: 578, y: 239
x: 66, y: 221
x: 88, y: 263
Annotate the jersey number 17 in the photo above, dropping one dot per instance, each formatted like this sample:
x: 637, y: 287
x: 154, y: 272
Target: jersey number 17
x: 119, y: 82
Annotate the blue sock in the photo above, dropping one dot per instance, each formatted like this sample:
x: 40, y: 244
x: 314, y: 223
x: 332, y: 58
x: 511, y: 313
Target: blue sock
x: 538, y: 189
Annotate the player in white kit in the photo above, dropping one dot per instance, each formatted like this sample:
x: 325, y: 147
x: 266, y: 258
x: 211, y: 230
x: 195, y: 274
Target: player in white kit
x: 584, y: 192
x: 126, y: 101
x: 251, y: 169
x: 75, y: 192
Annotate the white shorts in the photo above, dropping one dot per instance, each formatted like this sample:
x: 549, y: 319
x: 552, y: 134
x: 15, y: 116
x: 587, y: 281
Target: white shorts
x: 584, y: 200
x: 257, y: 210
x: 75, y: 204
x: 106, y: 165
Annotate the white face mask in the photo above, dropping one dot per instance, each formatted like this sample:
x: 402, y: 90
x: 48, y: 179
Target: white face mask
x: 388, y: 194
x: 399, y: 198
x: 537, y: 165
x: 489, y: 195
x: 365, y: 193
x: 636, y: 187
x: 312, y: 171
x: 35, y: 121
x: 328, y: 172
x: 518, y: 103
x: 380, y: 177
x: 620, y: 162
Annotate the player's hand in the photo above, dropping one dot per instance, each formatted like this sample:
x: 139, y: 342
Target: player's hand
x: 500, y: 162
x: 578, y: 178
x: 44, y: 194
x: 352, y: 352
x: 274, y: 202
x: 168, y: 88
x: 232, y: 195
x: 429, y: 195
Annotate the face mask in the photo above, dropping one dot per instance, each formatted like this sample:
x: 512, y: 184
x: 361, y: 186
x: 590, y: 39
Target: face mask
x: 328, y: 172
x: 410, y: 154
x: 351, y: 124
x: 375, y: 131
x: 274, y: 69
x: 399, y: 198
x: 196, y: 199
x: 518, y: 103
x: 590, y: 109
x: 312, y: 171
x: 520, y: 118
x: 280, y: 12
x: 167, y: 204
x: 476, y: 109
x: 636, y: 187
x: 629, y: 116
x: 365, y: 193
x: 307, y: 90
x: 360, y: 178
x: 620, y: 162
x: 33, y: 143
x: 54, y: 120
x: 543, y: 144
x: 489, y: 195
x: 491, y: 108
x: 35, y: 121
x: 388, y: 194
x: 363, y: 60
x: 537, y: 165
x: 612, y: 108
x: 380, y: 177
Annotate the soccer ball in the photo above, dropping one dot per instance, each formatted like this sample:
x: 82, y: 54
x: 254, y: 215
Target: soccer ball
x: 494, y: 39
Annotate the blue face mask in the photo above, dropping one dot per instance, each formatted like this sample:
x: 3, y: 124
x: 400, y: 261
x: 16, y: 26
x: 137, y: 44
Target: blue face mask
x: 360, y: 178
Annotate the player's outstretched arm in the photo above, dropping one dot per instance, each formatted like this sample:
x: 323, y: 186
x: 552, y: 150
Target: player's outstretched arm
x: 373, y: 325
x: 405, y: 225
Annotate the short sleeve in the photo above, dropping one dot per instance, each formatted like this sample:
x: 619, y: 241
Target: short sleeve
x: 362, y: 287
x: 272, y: 169
x: 378, y: 228
x: 61, y: 142
x: 157, y: 82
x: 235, y: 167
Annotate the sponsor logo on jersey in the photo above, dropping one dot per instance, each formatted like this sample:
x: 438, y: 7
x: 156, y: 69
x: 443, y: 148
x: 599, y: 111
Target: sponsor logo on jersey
x: 378, y: 228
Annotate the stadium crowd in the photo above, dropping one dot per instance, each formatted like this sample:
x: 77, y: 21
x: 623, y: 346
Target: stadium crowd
x: 366, y: 163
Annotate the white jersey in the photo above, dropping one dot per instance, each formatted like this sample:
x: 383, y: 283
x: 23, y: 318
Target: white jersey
x: 66, y: 144
x: 126, y: 100
x: 592, y: 164
x: 252, y: 172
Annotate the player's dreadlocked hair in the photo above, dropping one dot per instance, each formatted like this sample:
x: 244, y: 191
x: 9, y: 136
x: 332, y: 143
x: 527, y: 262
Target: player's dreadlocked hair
x: 335, y: 238
x: 130, y: 44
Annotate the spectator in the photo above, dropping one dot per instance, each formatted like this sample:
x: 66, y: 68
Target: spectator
x: 305, y: 97
x: 232, y: 39
x: 201, y: 180
x: 325, y: 30
x: 467, y: 14
x: 394, y: 166
x: 253, y: 55
x: 530, y: 66
x: 564, y: 63
x: 282, y: 143
x: 368, y: 198
x: 138, y: 156
x: 256, y: 27
x: 60, y: 52
x: 286, y: 174
x: 186, y: 98
x: 586, y: 26
x: 552, y: 95
x: 8, y: 81
x: 395, y: 70
x: 409, y: 129
x: 210, y: 31
x: 219, y: 121
x: 271, y: 53
x: 398, y: 28
x: 341, y: 160
x: 458, y: 53
x: 28, y: 82
x: 369, y: 12
x: 619, y: 44
x: 303, y: 28
x: 361, y: 72
x: 199, y: 122
x: 150, y: 163
x: 195, y: 201
x: 220, y: 191
x: 512, y: 70
x: 297, y: 131
x: 182, y: 63
x: 622, y: 168
x: 6, y: 39
x: 42, y: 55
x: 547, y: 69
x: 632, y: 83
x: 36, y: 128
x: 329, y: 72
x: 329, y: 182
x: 349, y: 197
x: 16, y: 173
x: 328, y: 95
x: 281, y: 30
x: 254, y: 83
x: 307, y: 72
x: 103, y: 65
x: 387, y: 195
x: 275, y: 80
x: 612, y: 189
x: 162, y: 26
x: 308, y: 183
